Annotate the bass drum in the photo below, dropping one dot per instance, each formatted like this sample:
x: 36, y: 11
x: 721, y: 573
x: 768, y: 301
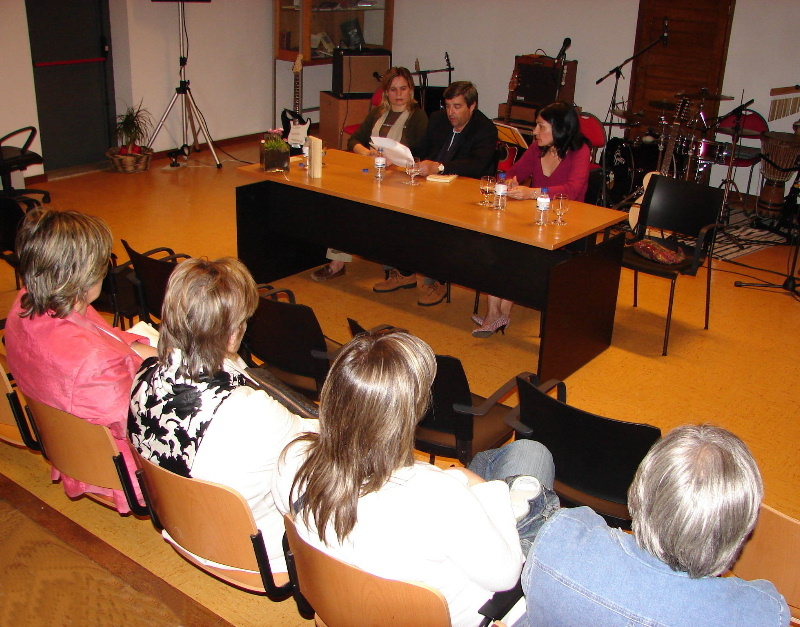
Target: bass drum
x: 626, y: 164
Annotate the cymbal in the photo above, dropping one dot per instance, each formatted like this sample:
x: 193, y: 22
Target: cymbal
x: 744, y: 132
x: 704, y: 95
x: 629, y: 116
x: 665, y: 105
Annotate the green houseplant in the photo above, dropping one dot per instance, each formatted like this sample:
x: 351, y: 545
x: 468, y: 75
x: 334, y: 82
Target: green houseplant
x: 274, y: 152
x: 133, y: 127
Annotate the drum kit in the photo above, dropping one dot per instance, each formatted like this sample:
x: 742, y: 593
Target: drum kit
x: 690, y: 148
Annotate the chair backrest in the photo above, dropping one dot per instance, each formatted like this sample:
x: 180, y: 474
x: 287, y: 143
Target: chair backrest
x: 683, y: 207
x: 210, y: 521
x: 77, y: 448
x: 593, y: 455
x: 11, y: 217
x: 773, y: 553
x: 592, y: 129
x: 153, y: 274
x: 11, y: 412
x: 283, y: 334
x: 449, y: 387
x: 343, y: 595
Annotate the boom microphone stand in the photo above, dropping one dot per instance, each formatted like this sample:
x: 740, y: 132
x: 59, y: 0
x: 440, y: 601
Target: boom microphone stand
x: 188, y: 105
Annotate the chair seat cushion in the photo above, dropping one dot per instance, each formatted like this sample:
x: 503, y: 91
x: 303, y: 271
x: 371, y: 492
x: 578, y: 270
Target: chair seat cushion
x: 634, y: 261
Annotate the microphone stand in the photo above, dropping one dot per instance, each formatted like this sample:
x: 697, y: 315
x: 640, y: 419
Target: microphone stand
x: 423, y: 78
x: 617, y: 72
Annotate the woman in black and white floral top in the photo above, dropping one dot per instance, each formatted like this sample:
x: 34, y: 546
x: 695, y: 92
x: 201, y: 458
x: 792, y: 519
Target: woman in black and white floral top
x: 191, y: 410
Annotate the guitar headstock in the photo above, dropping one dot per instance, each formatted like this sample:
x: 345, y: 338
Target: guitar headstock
x: 682, y: 110
x: 514, y: 82
x: 297, y: 67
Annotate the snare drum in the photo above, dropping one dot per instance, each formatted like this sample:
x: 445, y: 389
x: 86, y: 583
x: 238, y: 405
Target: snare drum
x: 712, y: 152
x: 626, y: 164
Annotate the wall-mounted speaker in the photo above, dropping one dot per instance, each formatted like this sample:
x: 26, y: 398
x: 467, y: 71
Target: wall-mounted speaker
x: 356, y: 71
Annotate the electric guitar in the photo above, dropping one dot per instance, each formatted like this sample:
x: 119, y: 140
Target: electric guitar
x: 666, y: 167
x: 295, y: 126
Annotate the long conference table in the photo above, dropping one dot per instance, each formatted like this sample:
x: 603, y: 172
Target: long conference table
x: 285, y: 223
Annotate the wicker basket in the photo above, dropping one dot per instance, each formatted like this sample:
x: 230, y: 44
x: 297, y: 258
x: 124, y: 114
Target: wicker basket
x: 130, y: 163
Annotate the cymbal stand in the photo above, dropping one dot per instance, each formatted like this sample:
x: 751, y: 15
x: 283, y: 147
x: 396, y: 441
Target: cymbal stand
x: 724, y: 215
x: 188, y: 105
x: 617, y: 72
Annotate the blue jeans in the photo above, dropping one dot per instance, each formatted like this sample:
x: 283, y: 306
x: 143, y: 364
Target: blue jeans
x: 521, y: 457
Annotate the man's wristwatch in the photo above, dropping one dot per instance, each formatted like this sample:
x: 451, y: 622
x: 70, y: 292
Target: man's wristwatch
x: 441, y: 168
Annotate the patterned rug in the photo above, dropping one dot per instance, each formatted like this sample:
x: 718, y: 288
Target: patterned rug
x: 739, y: 238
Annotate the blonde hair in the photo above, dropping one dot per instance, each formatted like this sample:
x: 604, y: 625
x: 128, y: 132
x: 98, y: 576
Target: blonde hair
x: 386, y: 82
x: 695, y: 498
x: 206, y: 304
x: 62, y: 254
x: 376, y: 392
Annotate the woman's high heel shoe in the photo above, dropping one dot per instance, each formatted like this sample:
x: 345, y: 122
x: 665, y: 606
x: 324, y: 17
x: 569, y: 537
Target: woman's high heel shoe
x: 491, y: 328
x: 478, y: 320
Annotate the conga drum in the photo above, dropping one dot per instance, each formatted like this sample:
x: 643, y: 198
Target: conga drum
x: 782, y: 149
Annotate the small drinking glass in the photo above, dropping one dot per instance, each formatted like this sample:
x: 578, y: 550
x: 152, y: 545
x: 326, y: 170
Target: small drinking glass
x: 487, y: 188
x: 412, y: 169
x: 560, y: 207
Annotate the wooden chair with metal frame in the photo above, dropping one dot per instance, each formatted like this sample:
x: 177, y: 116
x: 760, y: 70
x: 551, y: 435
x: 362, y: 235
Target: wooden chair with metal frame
x: 83, y: 451
x: 342, y: 595
x: 14, y: 426
x: 595, y: 457
x: 287, y: 338
x: 773, y: 553
x: 685, y: 209
x: 459, y: 423
x: 152, y: 274
x: 212, y: 527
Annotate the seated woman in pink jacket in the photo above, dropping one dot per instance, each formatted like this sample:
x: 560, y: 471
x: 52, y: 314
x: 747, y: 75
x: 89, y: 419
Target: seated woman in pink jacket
x: 60, y: 350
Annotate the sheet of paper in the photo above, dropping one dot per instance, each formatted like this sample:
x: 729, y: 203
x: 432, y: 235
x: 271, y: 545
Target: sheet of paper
x: 395, y: 152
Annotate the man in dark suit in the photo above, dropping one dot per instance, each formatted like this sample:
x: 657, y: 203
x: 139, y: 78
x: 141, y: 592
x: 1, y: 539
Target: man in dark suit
x: 459, y: 140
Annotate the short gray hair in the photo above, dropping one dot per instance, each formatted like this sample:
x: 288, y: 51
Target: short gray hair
x: 695, y: 498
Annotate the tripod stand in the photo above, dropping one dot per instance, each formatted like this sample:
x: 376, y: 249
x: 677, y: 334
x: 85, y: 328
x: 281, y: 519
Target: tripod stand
x: 189, y: 110
x: 790, y: 284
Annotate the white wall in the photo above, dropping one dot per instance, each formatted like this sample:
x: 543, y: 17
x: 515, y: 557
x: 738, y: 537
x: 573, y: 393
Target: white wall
x: 230, y: 56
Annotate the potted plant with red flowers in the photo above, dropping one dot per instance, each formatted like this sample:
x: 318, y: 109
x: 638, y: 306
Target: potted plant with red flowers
x: 133, y: 127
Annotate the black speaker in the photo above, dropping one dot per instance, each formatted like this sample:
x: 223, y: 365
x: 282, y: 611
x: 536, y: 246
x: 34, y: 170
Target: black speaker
x: 357, y: 71
x: 540, y: 80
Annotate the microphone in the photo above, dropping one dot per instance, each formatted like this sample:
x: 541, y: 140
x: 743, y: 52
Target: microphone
x: 416, y: 65
x: 563, y: 52
x: 377, y: 76
x: 740, y: 109
x: 665, y: 33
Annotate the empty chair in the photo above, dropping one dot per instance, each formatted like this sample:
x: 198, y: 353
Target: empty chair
x: 152, y: 274
x: 595, y: 457
x: 682, y: 208
x: 287, y: 338
x: 342, y: 595
x: 118, y: 295
x: 374, y: 101
x: 85, y: 452
x: 459, y: 423
x: 17, y: 159
x: 773, y: 553
x: 212, y: 527
x: 11, y: 217
x: 14, y: 426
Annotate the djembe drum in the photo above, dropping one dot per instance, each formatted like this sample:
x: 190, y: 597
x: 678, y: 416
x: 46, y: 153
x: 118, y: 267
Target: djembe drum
x: 782, y: 149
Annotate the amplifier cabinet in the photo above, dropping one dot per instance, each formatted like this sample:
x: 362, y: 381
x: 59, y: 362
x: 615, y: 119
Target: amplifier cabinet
x: 354, y: 71
x: 540, y: 80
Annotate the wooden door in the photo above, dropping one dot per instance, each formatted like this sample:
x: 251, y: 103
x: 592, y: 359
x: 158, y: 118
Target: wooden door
x: 693, y: 58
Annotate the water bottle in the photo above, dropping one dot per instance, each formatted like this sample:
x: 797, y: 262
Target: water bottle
x: 380, y: 165
x: 500, y: 192
x: 542, y: 207
x: 305, y: 163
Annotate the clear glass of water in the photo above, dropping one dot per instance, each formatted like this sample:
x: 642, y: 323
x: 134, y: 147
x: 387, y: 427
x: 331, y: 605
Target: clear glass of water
x: 487, y: 187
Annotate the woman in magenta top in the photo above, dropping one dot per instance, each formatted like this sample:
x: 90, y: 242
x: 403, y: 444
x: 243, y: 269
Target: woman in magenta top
x: 60, y: 350
x: 560, y: 164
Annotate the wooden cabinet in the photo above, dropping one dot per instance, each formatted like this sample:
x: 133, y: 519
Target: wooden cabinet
x: 335, y: 113
x: 314, y: 27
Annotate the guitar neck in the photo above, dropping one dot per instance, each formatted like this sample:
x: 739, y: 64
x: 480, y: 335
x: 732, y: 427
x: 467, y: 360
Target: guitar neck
x: 297, y: 91
x: 670, y: 149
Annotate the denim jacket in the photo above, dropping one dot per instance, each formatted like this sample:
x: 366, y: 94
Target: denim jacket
x: 581, y: 572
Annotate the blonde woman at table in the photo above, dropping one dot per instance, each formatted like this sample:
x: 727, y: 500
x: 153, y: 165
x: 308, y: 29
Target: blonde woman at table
x: 398, y: 117
x: 561, y: 164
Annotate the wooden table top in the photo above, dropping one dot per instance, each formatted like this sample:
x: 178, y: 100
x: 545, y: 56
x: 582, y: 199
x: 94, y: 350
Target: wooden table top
x: 452, y: 203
